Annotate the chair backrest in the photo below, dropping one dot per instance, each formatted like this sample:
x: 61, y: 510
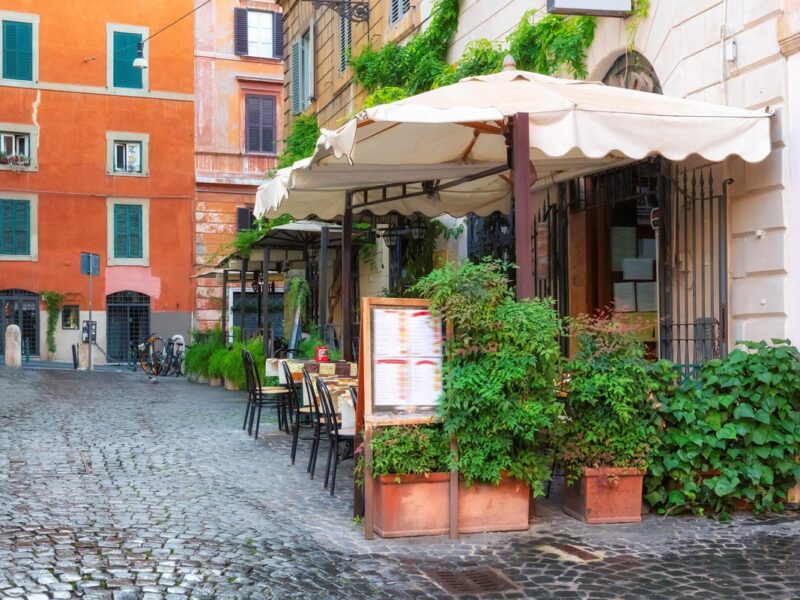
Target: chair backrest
x: 293, y: 398
x: 308, y: 384
x: 328, y: 410
x: 246, y: 358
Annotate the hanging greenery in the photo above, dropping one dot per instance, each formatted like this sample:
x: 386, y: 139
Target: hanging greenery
x: 53, y: 302
x: 301, y: 141
x: 247, y: 238
x: 641, y: 8
x: 296, y: 295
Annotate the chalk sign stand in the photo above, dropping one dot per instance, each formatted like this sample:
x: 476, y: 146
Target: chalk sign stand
x: 400, y: 366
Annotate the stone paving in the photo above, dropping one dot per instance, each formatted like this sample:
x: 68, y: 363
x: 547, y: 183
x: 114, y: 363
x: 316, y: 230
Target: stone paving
x: 112, y: 487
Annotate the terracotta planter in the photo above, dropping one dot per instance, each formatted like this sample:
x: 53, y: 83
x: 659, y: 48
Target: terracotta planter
x: 418, y: 505
x: 606, y: 495
x: 202, y: 379
x: 215, y: 381
x: 487, y: 507
x: 231, y: 386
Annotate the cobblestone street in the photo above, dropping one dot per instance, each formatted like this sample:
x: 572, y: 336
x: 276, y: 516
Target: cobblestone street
x: 112, y: 487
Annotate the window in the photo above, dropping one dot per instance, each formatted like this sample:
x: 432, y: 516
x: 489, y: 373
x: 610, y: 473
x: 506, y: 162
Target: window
x: 70, y: 316
x: 15, y: 148
x: 128, y: 157
x: 397, y: 9
x: 15, y: 227
x: 18, y: 56
x: 128, y: 232
x: 127, y: 153
x: 260, y: 123
x: 345, y: 39
x: 122, y: 48
x: 303, y: 71
x: 258, y: 33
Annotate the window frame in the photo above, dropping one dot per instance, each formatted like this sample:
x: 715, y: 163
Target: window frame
x: 112, y: 28
x: 33, y: 227
x: 18, y: 129
x: 115, y: 137
x: 21, y: 17
x: 247, y: 150
x: 345, y: 42
x: 269, y: 16
x: 111, y: 259
x: 67, y: 309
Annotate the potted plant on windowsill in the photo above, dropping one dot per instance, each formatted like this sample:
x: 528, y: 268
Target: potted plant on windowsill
x: 608, y: 434
x: 411, y: 472
x: 502, y: 359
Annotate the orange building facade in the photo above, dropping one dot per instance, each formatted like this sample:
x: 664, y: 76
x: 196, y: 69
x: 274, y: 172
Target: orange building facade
x: 96, y: 157
x: 239, y: 114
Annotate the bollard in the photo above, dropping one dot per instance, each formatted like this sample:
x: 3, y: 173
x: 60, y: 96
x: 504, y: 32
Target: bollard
x: 13, y: 347
x: 75, y: 356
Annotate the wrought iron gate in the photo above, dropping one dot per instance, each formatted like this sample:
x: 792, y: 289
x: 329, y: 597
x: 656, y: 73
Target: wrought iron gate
x: 693, y: 266
x: 20, y: 307
x: 128, y: 317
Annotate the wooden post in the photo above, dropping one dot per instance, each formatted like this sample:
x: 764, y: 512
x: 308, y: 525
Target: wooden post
x: 242, y: 298
x: 265, y: 301
x: 347, y: 264
x: 523, y: 180
x: 225, y: 306
x: 323, y: 282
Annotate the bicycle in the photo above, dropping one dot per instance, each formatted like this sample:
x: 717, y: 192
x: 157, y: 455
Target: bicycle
x: 150, y: 351
x: 171, y: 358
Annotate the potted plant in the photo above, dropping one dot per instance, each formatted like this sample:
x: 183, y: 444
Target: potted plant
x: 608, y: 434
x: 216, y: 366
x: 502, y: 359
x: 198, y: 355
x: 411, y: 472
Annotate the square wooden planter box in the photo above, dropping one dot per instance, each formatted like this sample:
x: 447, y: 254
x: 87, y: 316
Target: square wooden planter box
x: 606, y: 495
x: 486, y: 507
x: 418, y: 505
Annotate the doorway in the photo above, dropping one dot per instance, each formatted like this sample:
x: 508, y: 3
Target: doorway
x: 128, y: 316
x: 20, y: 307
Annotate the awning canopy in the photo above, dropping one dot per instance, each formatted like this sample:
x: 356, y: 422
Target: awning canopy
x: 449, y: 146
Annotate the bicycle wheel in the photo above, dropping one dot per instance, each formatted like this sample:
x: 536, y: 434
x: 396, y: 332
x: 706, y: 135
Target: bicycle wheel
x: 149, y: 359
x: 178, y: 363
x: 165, y: 359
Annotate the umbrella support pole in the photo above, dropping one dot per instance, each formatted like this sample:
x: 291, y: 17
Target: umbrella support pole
x: 347, y: 265
x: 523, y: 180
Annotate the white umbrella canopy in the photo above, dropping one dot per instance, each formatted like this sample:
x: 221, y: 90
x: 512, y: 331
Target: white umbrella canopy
x: 461, y: 130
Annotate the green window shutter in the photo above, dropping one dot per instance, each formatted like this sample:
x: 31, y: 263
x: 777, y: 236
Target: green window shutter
x: 297, y: 77
x: 134, y: 231
x: 127, y: 231
x: 125, y: 49
x: 15, y: 227
x: 17, y: 50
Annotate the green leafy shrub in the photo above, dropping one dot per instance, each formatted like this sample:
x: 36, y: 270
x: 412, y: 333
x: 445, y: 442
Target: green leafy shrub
x: 408, y: 450
x: 53, y: 302
x: 610, y: 418
x: 501, y: 365
x: 731, y: 435
x: 216, y: 363
x: 198, y: 355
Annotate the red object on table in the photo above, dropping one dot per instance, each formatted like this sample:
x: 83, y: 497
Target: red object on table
x: 321, y: 353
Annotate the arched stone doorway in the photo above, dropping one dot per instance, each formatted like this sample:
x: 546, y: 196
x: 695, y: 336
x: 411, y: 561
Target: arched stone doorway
x: 128, y: 319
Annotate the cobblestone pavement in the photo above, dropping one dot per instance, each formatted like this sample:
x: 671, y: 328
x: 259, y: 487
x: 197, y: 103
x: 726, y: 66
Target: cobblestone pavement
x: 112, y: 487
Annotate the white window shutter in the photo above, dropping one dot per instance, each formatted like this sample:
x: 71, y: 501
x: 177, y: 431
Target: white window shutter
x: 297, y: 77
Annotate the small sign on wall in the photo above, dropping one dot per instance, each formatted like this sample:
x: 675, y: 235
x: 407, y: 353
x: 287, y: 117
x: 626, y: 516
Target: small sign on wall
x: 601, y: 8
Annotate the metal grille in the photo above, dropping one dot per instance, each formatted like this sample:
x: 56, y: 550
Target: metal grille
x: 475, y: 580
x: 20, y: 307
x: 693, y: 265
x: 128, y: 315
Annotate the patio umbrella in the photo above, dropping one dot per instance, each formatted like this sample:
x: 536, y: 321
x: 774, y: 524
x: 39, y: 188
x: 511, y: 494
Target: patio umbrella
x: 460, y: 131
x: 454, y: 150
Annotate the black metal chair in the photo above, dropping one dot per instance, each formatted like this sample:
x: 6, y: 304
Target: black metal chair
x: 336, y: 435
x: 317, y: 422
x: 300, y: 416
x: 260, y: 396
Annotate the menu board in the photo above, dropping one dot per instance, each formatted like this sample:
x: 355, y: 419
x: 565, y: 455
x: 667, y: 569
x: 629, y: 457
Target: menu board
x: 406, y: 358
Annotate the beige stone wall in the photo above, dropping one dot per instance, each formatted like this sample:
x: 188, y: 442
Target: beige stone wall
x: 682, y: 40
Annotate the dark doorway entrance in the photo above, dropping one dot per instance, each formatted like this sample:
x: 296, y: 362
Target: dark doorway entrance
x: 20, y: 307
x: 128, y: 316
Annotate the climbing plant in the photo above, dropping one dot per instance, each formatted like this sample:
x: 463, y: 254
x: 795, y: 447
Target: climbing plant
x: 301, y: 141
x: 52, y: 302
x: 247, y: 238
